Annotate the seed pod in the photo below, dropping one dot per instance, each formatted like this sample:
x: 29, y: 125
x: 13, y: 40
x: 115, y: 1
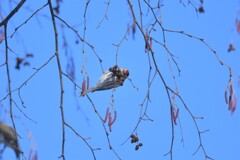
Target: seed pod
x: 135, y: 139
x: 137, y: 147
x: 115, y: 67
x: 140, y: 144
x: 132, y: 140
x: 121, y: 83
x: 132, y: 136
x: 29, y: 55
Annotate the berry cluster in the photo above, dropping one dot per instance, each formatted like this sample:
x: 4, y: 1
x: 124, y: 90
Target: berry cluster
x: 119, y: 74
x: 135, y: 139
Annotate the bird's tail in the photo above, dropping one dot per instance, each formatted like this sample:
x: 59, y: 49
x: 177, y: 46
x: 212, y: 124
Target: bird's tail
x: 87, y: 91
x: 17, y: 150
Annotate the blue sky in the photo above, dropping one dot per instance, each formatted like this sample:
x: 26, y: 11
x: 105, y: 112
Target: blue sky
x: 202, y: 82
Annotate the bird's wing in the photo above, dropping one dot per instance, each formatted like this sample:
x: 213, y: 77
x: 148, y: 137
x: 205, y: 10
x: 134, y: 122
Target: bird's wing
x: 7, y: 132
x: 104, y: 78
x: 9, y: 138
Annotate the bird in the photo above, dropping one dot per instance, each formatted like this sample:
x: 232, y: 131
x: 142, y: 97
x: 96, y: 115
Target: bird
x: 8, y: 137
x: 109, y: 80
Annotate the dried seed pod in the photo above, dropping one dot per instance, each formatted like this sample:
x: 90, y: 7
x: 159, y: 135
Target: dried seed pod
x: 111, y: 69
x: 135, y: 139
x: 201, y: 9
x: 231, y: 48
x: 121, y: 83
x: 29, y: 55
x: 18, y: 62
x: 132, y: 136
x: 115, y: 67
x: 132, y: 141
x: 140, y: 144
x: 26, y: 64
x: 121, y: 78
x: 137, y: 147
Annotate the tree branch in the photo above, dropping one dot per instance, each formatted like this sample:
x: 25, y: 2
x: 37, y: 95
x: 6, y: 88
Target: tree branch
x: 11, y: 14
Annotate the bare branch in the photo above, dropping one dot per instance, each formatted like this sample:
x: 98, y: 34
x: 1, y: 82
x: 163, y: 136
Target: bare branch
x: 11, y: 14
x: 60, y: 76
x: 106, y: 133
x: 9, y: 78
x: 83, y: 40
x: 196, y: 125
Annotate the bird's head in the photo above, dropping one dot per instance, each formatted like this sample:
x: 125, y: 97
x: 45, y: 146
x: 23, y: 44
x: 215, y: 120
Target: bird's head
x: 124, y: 73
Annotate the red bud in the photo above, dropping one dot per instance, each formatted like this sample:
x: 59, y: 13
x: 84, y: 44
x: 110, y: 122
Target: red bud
x: 83, y: 86
x: 88, y: 82
x: 115, y: 117
x: 110, y: 121
x: 106, y: 117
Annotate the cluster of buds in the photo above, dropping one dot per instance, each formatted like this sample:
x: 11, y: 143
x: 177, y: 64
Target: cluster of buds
x: 231, y: 101
x: 110, y: 119
x: 201, y: 9
x: 132, y: 31
x: 135, y: 139
x: 24, y: 61
x: 231, y: 48
x: 148, y: 44
x: 174, y: 115
x: 85, y: 83
x: 119, y: 74
x: 57, y: 8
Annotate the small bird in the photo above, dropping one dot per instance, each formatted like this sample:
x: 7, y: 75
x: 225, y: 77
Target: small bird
x: 109, y: 80
x: 9, y: 138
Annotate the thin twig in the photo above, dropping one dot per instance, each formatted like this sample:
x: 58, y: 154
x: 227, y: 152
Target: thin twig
x: 107, y: 134
x: 196, y: 125
x: 16, y: 29
x: 24, y: 113
x: 157, y: 70
x: 82, y: 40
x: 60, y: 76
x: 121, y: 41
x: 105, y: 14
x: 84, y: 140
